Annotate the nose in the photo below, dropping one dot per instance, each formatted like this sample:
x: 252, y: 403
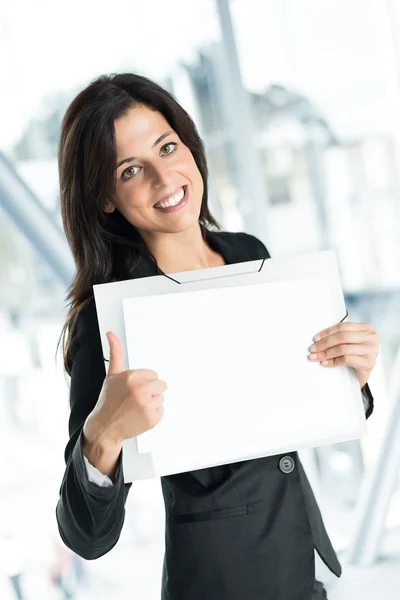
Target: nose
x: 161, y: 175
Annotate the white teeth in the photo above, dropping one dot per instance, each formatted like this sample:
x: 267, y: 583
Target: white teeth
x: 173, y: 201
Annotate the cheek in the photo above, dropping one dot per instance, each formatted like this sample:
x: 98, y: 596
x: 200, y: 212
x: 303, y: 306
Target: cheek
x: 197, y: 179
x: 130, y: 195
x: 199, y: 185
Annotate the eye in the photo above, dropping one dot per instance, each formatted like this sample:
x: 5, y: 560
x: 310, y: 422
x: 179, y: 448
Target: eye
x: 169, y: 145
x: 129, y: 173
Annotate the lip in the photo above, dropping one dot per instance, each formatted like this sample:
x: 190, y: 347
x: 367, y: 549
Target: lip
x: 182, y: 203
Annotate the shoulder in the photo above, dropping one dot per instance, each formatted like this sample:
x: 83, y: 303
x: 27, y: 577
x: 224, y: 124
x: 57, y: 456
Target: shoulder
x: 85, y: 331
x: 246, y: 245
x: 87, y: 322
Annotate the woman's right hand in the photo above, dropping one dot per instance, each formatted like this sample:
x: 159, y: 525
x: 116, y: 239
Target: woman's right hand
x: 130, y: 402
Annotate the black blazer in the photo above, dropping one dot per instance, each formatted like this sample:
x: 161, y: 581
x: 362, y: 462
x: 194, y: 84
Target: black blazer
x: 243, y: 531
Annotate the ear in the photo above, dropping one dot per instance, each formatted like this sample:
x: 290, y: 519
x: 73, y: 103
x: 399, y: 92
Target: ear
x: 109, y: 207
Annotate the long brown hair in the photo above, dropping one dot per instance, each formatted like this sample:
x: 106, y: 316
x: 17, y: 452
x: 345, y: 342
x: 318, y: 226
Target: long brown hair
x: 107, y: 246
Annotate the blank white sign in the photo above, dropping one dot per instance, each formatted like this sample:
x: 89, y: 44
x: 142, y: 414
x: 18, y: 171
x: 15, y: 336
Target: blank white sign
x: 240, y: 384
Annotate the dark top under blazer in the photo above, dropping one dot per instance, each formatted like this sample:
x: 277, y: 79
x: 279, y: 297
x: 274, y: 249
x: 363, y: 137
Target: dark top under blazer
x: 242, y: 531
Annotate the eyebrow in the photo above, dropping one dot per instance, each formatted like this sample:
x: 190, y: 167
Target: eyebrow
x: 158, y: 141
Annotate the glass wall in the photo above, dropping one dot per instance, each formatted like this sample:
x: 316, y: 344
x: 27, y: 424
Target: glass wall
x: 324, y: 80
x: 321, y: 81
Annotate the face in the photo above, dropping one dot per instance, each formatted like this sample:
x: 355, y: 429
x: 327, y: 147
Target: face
x: 158, y: 188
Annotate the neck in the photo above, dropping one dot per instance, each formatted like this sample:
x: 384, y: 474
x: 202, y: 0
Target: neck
x: 184, y: 251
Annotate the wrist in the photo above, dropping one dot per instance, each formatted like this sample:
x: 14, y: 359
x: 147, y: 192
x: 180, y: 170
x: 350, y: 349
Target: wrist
x: 96, y: 434
x: 101, y: 451
x: 104, y: 458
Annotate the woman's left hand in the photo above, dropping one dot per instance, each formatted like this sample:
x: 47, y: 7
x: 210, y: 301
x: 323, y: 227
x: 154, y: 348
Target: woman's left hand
x: 353, y: 344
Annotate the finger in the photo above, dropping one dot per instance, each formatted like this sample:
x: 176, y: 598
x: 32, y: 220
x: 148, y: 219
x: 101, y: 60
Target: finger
x: 142, y: 374
x: 345, y: 326
x: 148, y: 387
x: 160, y: 411
x: 345, y: 337
x: 356, y: 362
x: 156, y: 387
x: 116, y: 364
x: 157, y: 401
x: 341, y: 350
x: 155, y: 415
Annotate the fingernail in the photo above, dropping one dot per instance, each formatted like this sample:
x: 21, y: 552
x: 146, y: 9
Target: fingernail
x: 324, y: 362
x: 316, y: 338
x: 312, y: 348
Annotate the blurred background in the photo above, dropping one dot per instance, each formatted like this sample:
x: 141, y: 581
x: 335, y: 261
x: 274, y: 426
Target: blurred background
x: 298, y: 103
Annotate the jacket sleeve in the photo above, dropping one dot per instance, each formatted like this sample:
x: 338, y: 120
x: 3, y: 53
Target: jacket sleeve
x: 89, y: 517
x: 368, y: 400
x: 96, y: 476
x: 256, y: 246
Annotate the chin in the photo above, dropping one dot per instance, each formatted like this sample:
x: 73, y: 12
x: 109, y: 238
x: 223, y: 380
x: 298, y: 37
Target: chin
x: 180, y: 228
x: 184, y: 223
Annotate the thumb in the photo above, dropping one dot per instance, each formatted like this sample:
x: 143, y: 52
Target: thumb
x: 116, y: 364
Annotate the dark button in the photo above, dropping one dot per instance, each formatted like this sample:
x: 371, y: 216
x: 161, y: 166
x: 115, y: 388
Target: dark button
x: 286, y: 464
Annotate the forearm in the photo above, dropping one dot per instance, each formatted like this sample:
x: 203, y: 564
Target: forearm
x: 90, y: 518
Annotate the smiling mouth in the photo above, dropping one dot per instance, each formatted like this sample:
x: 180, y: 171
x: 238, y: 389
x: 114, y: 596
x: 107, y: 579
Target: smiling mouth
x: 174, y: 201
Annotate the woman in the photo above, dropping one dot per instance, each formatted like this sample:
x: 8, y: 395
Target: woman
x: 133, y: 180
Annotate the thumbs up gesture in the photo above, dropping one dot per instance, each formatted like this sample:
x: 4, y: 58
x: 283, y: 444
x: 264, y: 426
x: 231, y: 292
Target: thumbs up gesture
x: 130, y: 402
